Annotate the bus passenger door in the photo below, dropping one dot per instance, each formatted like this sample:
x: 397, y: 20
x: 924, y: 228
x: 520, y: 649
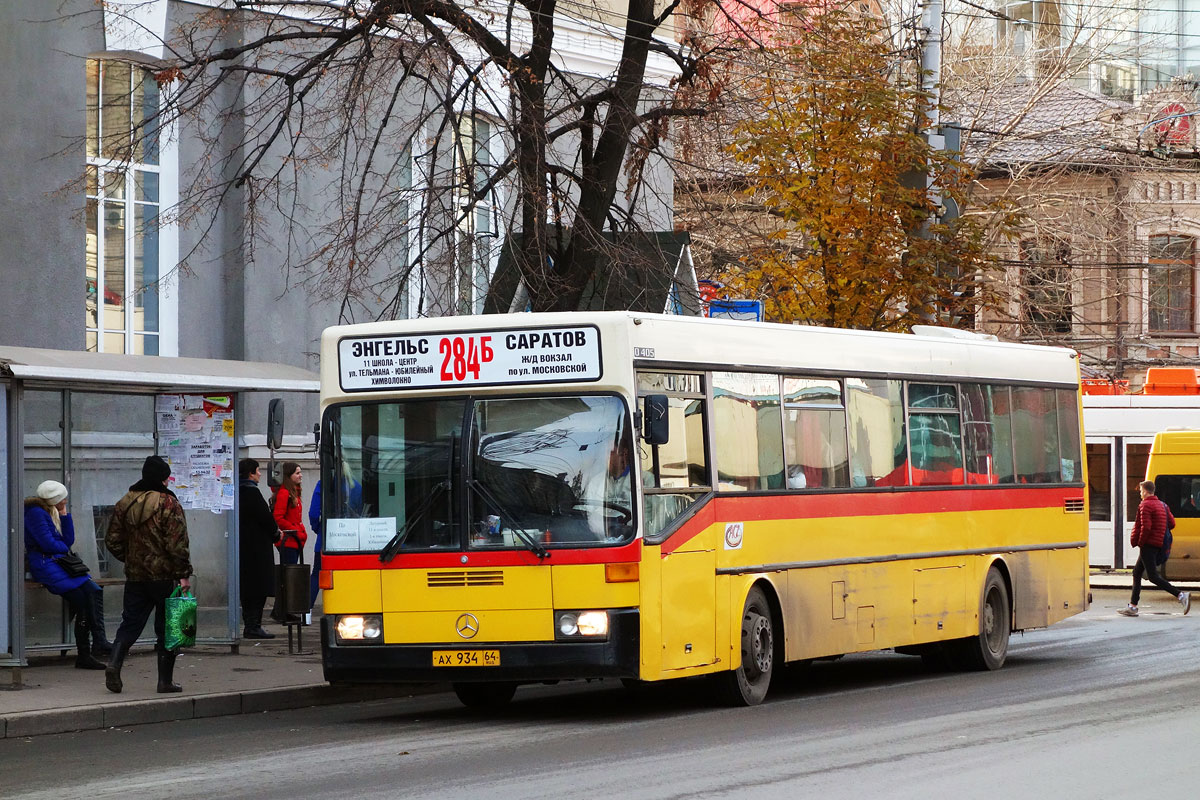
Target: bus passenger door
x: 688, y: 609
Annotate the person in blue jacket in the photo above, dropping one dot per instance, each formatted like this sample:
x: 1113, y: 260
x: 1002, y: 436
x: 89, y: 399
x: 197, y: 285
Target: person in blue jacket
x: 49, y: 533
x: 314, y: 522
x: 353, y: 492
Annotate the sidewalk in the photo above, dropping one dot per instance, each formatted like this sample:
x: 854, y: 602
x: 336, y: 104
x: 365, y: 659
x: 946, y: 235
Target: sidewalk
x: 1123, y: 579
x: 57, y: 698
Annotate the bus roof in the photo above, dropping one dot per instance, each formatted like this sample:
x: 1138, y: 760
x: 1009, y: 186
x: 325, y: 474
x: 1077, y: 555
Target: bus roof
x: 1177, y: 442
x: 699, y: 342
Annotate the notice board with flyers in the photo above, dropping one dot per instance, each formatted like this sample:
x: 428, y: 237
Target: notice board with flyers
x: 195, y: 436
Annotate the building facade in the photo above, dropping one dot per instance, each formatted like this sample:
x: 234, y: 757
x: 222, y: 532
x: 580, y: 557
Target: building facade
x: 117, y: 242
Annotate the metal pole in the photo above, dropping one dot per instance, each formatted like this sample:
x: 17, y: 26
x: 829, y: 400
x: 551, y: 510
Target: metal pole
x: 931, y: 78
x: 16, y: 526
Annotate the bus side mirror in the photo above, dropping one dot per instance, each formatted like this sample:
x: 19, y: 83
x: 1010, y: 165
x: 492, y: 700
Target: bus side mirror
x: 275, y: 424
x: 656, y: 422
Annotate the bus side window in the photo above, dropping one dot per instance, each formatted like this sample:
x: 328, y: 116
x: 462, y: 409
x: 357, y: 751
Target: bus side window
x: 1068, y: 435
x: 1035, y: 435
x: 878, y: 445
x: 1181, y: 493
x: 814, y: 434
x: 681, y: 462
x: 674, y: 475
x: 935, y: 437
x: 748, y: 431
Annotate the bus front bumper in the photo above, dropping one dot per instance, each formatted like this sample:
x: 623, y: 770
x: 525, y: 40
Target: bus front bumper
x: 618, y: 657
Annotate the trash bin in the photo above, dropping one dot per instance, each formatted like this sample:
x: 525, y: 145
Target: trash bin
x: 291, y: 584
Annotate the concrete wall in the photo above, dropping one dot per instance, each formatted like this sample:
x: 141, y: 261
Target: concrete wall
x: 42, y: 234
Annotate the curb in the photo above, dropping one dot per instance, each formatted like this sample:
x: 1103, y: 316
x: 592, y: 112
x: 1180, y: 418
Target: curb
x: 141, y: 712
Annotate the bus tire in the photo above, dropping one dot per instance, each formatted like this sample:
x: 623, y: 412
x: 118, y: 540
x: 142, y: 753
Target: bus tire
x: 747, y: 685
x: 989, y: 649
x: 485, y: 695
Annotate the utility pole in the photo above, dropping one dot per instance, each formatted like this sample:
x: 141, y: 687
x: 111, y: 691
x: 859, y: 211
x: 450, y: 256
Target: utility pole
x: 931, y: 79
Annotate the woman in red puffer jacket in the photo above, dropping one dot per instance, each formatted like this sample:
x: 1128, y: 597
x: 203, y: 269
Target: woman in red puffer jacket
x: 287, y: 508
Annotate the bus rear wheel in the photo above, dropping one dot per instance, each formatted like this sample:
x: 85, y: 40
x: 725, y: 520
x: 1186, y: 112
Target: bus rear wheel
x: 747, y: 685
x: 485, y: 695
x: 989, y: 649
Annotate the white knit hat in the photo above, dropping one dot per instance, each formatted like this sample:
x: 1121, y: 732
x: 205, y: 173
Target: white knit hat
x: 52, y: 492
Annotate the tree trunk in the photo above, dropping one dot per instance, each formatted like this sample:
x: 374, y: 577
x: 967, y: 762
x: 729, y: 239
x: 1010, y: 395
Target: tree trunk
x: 599, y: 184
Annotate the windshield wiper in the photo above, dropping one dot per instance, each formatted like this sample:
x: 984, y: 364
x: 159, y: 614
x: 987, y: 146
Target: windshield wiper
x: 533, y: 544
x: 393, y: 547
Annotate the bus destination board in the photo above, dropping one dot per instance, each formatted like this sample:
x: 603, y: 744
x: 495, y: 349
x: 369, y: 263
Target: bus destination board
x: 472, y: 358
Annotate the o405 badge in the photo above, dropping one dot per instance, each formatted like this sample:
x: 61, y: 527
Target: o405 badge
x: 733, y: 536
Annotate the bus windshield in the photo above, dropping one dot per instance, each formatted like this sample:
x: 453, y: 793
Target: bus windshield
x: 533, y: 473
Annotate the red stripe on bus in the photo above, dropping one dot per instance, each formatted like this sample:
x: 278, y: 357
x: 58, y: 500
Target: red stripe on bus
x: 631, y: 552
x: 756, y: 508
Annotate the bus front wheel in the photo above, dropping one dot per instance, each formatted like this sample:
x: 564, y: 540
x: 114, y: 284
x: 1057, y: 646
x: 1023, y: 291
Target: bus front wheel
x: 485, y: 695
x: 747, y: 685
x: 989, y: 648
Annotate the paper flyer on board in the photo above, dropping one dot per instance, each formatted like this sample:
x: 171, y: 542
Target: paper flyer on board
x: 195, y: 435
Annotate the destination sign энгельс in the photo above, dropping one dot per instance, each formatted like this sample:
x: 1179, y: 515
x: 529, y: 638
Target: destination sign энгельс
x: 475, y: 358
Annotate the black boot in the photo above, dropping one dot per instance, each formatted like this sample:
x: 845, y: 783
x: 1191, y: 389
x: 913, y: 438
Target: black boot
x: 252, y: 617
x: 84, y: 660
x: 101, y: 646
x: 112, y: 673
x: 166, y: 667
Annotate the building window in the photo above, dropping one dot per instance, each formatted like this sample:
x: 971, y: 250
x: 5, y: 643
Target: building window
x: 1045, y: 287
x: 1172, y: 284
x: 473, y: 208
x: 122, y: 206
x: 1117, y: 80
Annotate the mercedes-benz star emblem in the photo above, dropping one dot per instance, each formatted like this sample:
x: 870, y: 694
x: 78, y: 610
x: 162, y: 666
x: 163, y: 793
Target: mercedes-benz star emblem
x: 467, y: 626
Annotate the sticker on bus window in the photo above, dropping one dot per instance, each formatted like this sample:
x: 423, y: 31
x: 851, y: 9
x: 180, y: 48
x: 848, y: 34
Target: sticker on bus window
x: 376, y: 533
x: 469, y: 358
x: 733, y: 536
x: 354, y: 534
x: 341, y: 534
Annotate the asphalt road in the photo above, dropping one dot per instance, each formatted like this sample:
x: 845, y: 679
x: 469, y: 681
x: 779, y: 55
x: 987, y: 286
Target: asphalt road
x: 1099, y: 706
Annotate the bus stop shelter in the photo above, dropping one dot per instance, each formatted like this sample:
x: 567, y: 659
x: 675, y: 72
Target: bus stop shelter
x: 89, y: 420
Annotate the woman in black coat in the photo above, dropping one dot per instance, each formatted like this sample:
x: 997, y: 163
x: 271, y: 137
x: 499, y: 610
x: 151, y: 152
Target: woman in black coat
x: 258, y: 534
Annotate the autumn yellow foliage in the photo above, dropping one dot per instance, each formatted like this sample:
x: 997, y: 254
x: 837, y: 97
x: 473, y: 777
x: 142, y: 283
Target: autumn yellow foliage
x: 835, y: 156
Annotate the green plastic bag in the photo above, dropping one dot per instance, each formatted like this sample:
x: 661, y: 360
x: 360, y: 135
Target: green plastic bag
x: 181, y: 620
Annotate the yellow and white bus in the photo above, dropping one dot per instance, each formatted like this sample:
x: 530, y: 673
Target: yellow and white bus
x: 540, y: 497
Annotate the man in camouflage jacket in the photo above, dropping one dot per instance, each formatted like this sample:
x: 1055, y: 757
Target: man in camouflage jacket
x: 148, y: 532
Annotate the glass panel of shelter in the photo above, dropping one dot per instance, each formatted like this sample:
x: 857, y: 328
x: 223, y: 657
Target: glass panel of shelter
x: 110, y: 436
x: 42, y: 452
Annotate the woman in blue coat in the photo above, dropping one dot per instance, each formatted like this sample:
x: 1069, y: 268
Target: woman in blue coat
x: 49, y: 533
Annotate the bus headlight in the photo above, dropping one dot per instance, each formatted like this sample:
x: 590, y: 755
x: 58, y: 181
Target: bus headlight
x: 571, y: 625
x: 366, y: 628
